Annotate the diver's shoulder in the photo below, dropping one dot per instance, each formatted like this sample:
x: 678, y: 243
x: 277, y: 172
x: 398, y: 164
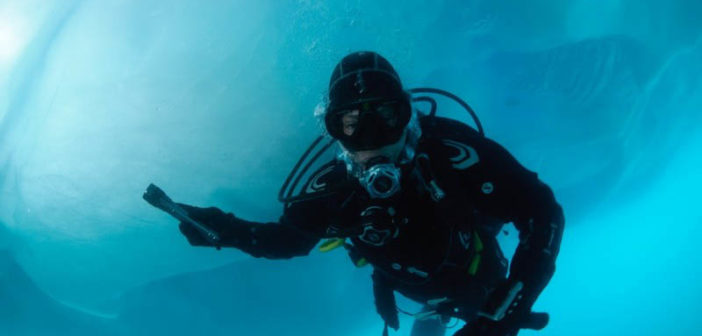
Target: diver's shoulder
x: 442, y: 131
x: 325, y: 177
x: 461, y: 147
x: 457, y: 145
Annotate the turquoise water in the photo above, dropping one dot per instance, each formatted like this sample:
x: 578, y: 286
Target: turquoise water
x: 214, y: 100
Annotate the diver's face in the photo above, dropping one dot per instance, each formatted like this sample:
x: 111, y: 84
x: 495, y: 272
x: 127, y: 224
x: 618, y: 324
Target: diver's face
x: 391, y: 151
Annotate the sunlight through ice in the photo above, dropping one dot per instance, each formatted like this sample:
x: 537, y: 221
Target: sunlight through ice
x: 11, y: 38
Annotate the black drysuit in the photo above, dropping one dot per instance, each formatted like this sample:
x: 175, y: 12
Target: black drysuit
x: 434, y: 239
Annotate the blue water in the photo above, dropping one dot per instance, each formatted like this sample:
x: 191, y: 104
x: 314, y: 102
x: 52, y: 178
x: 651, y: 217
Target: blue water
x: 214, y: 101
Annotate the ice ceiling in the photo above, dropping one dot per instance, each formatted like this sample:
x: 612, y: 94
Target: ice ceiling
x: 214, y: 100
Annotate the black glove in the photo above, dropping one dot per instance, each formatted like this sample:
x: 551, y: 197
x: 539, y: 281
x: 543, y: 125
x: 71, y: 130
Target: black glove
x: 212, y: 218
x: 487, y: 327
x: 508, y: 310
x: 508, y: 302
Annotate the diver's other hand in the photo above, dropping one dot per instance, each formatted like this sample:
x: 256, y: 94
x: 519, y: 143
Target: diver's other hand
x: 511, y: 301
x: 212, y: 218
x: 507, y: 310
x: 483, y: 326
x: 507, y: 300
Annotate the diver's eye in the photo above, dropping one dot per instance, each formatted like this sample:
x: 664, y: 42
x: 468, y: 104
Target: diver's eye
x: 387, y: 112
x: 349, y: 122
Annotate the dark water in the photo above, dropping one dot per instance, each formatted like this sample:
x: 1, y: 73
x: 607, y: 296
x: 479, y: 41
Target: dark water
x: 214, y: 101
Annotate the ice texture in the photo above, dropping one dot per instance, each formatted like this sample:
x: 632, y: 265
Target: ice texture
x: 213, y: 101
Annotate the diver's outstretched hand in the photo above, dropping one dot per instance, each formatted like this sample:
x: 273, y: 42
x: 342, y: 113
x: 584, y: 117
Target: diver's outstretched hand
x: 185, y: 214
x: 212, y: 218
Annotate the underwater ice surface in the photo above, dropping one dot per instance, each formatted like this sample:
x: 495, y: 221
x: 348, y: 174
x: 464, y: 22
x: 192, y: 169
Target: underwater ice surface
x: 214, y: 100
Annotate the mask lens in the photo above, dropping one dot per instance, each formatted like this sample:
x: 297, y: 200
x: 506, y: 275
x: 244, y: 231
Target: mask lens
x: 349, y: 122
x: 387, y: 112
x: 366, y: 125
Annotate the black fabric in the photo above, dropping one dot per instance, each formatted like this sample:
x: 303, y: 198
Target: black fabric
x: 484, y: 187
x: 380, y: 123
x: 272, y: 240
x: 360, y: 76
x: 385, y: 300
x: 363, y: 78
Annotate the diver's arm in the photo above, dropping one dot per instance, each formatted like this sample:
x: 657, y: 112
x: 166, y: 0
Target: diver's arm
x: 540, y: 222
x: 298, y: 230
x: 516, y: 194
x: 533, y: 209
x: 281, y: 240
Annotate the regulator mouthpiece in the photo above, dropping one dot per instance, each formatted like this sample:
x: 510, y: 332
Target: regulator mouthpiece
x: 382, y: 179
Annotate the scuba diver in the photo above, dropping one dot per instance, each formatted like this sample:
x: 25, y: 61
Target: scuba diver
x: 421, y: 199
